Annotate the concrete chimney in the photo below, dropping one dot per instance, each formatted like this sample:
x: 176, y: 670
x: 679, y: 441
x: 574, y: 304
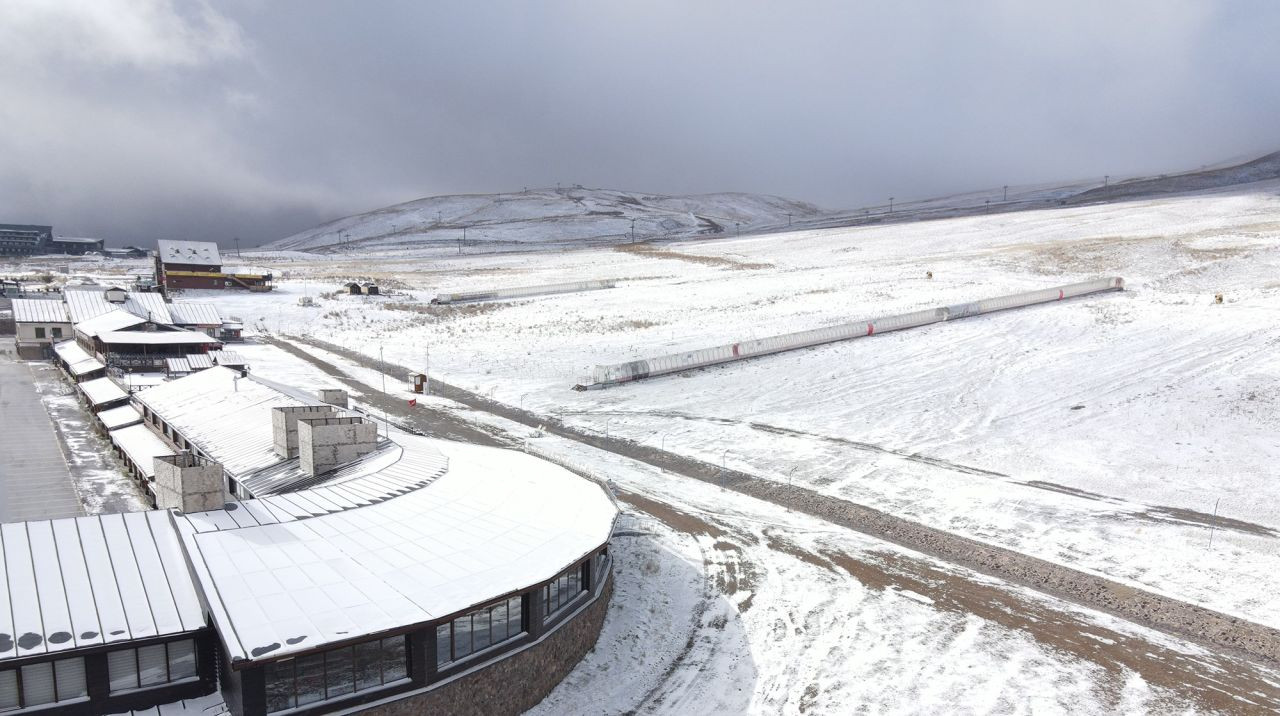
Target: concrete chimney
x: 334, y: 396
x: 188, y: 483
x: 325, y: 443
x: 284, y: 426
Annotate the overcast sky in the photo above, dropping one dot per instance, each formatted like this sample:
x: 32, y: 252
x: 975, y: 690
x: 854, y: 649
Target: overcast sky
x: 142, y: 119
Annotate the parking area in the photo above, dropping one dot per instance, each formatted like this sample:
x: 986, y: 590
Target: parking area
x: 35, y: 482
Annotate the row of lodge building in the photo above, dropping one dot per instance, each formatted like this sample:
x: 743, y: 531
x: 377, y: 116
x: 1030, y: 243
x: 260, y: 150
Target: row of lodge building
x: 125, y: 330
x: 303, y: 563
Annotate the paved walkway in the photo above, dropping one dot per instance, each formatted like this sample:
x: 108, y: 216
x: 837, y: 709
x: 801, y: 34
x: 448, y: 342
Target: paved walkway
x: 34, y: 481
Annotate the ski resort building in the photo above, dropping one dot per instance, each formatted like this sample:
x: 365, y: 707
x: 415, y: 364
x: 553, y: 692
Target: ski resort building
x: 397, y: 574
x: 31, y: 239
x: 38, y: 324
x: 198, y: 264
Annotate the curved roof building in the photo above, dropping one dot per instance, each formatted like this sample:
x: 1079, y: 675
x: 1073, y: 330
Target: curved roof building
x: 395, y: 580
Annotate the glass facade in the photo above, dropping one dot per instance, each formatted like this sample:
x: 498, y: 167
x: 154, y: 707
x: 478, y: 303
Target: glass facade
x: 479, y: 630
x: 563, y: 589
x: 153, y: 665
x: 335, y: 673
x: 48, y: 682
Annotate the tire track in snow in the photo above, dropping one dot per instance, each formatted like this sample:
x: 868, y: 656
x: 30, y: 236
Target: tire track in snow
x: 1184, y: 620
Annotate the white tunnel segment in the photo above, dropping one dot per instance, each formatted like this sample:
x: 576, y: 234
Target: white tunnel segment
x: 605, y: 375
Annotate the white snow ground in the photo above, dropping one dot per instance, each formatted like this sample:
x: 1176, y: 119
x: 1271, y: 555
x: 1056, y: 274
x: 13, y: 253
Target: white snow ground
x: 731, y: 605
x: 972, y: 426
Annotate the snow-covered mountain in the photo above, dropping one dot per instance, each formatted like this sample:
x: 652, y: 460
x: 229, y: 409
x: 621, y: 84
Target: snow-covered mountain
x: 548, y: 217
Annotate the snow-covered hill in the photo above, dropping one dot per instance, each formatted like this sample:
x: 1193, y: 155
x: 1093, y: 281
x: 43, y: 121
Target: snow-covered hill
x: 548, y: 217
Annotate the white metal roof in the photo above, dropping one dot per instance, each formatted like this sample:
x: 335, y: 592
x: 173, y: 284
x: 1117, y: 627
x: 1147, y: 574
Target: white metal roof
x: 189, y: 252
x: 156, y: 338
x: 177, y: 365
x: 35, y: 310
x: 113, y: 320
x: 496, y: 522
x: 194, y: 314
x: 83, y: 581
x: 227, y: 417
x: 142, y: 446
x: 123, y: 416
x: 85, y: 302
x: 199, y: 361
x: 102, y: 390
x: 227, y: 358
x: 77, y: 359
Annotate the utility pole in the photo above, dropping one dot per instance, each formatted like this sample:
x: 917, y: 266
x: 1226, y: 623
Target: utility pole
x: 1106, y: 180
x: 788, y: 220
x: 1005, y: 197
x: 737, y: 228
x: 382, y: 367
x: 426, y: 373
x: 237, y: 247
x: 1214, y: 523
x: 988, y: 209
x: 890, y: 205
x: 633, y: 229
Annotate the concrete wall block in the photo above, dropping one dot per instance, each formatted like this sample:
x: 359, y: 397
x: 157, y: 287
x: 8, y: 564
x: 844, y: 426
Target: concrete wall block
x: 334, y: 396
x: 284, y: 426
x: 326, y: 442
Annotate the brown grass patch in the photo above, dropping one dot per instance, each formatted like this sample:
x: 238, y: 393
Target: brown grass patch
x: 646, y: 249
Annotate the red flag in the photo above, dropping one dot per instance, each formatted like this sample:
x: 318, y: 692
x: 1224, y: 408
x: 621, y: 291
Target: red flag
x: 413, y: 402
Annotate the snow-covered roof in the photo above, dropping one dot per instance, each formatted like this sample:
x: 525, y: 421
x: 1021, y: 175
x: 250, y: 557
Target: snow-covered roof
x: 142, y: 446
x: 114, y: 320
x: 199, y: 361
x: 34, y: 310
x: 194, y: 314
x: 496, y: 522
x: 101, y: 391
x: 85, y: 302
x: 123, y: 416
x: 226, y: 416
x: 156, y: 338
x: 78, y: 240
x: 77, y: 359
x: 82, y: 581
x: 177, y: 365
x: 189, y: 252
x: 230, y: 358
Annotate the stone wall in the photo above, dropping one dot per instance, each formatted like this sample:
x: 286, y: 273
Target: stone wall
x: 516, y: 683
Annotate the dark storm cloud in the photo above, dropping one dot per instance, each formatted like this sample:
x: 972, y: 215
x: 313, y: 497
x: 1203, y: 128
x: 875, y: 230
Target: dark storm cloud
x: 144, y: 119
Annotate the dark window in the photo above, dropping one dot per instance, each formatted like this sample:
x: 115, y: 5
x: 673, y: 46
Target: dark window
x: 57, y: 332
x: 45, y: 683
x: 153, y: 665
x: 39, y: 331
x: 335, y: 673
x: 600, y: 566
x: 563, y: 590
x: 478, y: 630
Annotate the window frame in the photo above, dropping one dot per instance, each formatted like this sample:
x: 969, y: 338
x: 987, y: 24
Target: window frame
x: 562, y: 584
x: 168, y: 667
x: 291, y: 664
x: 22, y: 706
x: 489, y: 609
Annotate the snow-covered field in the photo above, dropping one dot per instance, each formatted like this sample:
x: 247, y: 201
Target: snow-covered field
x: 1100, y: 433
